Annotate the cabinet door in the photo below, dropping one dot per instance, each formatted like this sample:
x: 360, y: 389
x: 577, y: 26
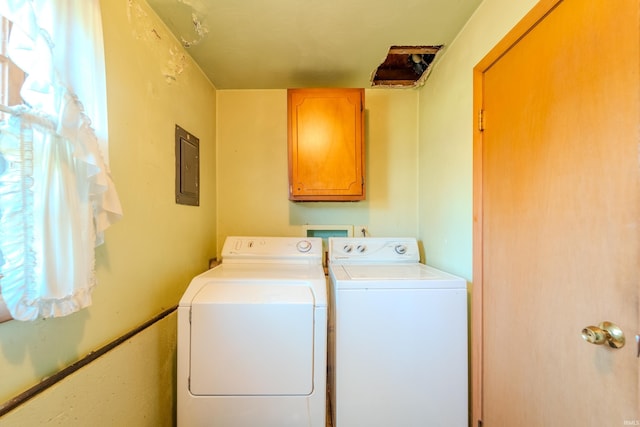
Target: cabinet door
x: 326, y: 144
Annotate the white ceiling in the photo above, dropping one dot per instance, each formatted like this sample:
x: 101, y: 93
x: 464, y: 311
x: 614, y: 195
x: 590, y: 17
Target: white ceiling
x: 278, y: 44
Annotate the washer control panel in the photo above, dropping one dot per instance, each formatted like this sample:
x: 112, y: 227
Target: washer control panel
x: 373, y: 249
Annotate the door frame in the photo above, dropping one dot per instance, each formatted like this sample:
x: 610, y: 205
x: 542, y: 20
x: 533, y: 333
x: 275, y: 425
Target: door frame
x: 529, y: 21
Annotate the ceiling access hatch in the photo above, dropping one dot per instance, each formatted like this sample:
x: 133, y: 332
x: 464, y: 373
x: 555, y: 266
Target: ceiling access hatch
x: 405, y: 66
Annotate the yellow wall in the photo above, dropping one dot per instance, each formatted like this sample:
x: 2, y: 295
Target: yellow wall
x: 446, y: 137
x: 152, y: 253
x: 252, y: 167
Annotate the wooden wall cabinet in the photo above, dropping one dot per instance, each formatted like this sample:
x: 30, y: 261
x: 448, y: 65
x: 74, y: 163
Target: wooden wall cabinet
x: 326, y: 144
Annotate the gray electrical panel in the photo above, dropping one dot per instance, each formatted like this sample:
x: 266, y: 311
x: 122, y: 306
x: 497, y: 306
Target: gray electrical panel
x: 187, y: 168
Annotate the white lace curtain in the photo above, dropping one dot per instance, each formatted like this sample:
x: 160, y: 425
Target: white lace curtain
x: 56, y: 193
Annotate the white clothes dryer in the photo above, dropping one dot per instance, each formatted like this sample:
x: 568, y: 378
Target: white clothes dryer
x: 252, y: 336
x: 398, y: 337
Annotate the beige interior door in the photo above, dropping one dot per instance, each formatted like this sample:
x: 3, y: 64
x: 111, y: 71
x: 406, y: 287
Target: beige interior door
x: 557, y: 209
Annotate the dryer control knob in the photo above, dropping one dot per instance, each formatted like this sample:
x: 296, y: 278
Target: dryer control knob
x: 303, y: 246
x: 361, y: 248
x: 401, y: 249
x: 347, y: 248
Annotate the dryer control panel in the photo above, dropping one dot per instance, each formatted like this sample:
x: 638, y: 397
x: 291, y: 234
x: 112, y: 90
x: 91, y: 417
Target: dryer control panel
x: 272, y: 249
x: 373, y: 250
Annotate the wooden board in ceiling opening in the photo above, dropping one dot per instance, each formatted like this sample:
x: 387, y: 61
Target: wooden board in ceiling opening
x: 405, y: 66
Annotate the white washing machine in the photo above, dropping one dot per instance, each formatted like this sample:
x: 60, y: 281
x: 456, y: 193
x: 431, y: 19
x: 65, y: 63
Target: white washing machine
x: 252, y: 337
x: 398, y: 337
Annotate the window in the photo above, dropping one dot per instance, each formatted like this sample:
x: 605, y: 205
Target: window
x: 11, y: 79
x: 11, y: 76
x: 56, y: 193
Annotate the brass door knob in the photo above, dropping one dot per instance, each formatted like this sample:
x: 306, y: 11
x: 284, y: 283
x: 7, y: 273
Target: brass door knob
x: 606, y: 332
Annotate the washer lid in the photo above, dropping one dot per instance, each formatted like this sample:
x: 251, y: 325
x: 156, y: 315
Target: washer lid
x: 393, y: 276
